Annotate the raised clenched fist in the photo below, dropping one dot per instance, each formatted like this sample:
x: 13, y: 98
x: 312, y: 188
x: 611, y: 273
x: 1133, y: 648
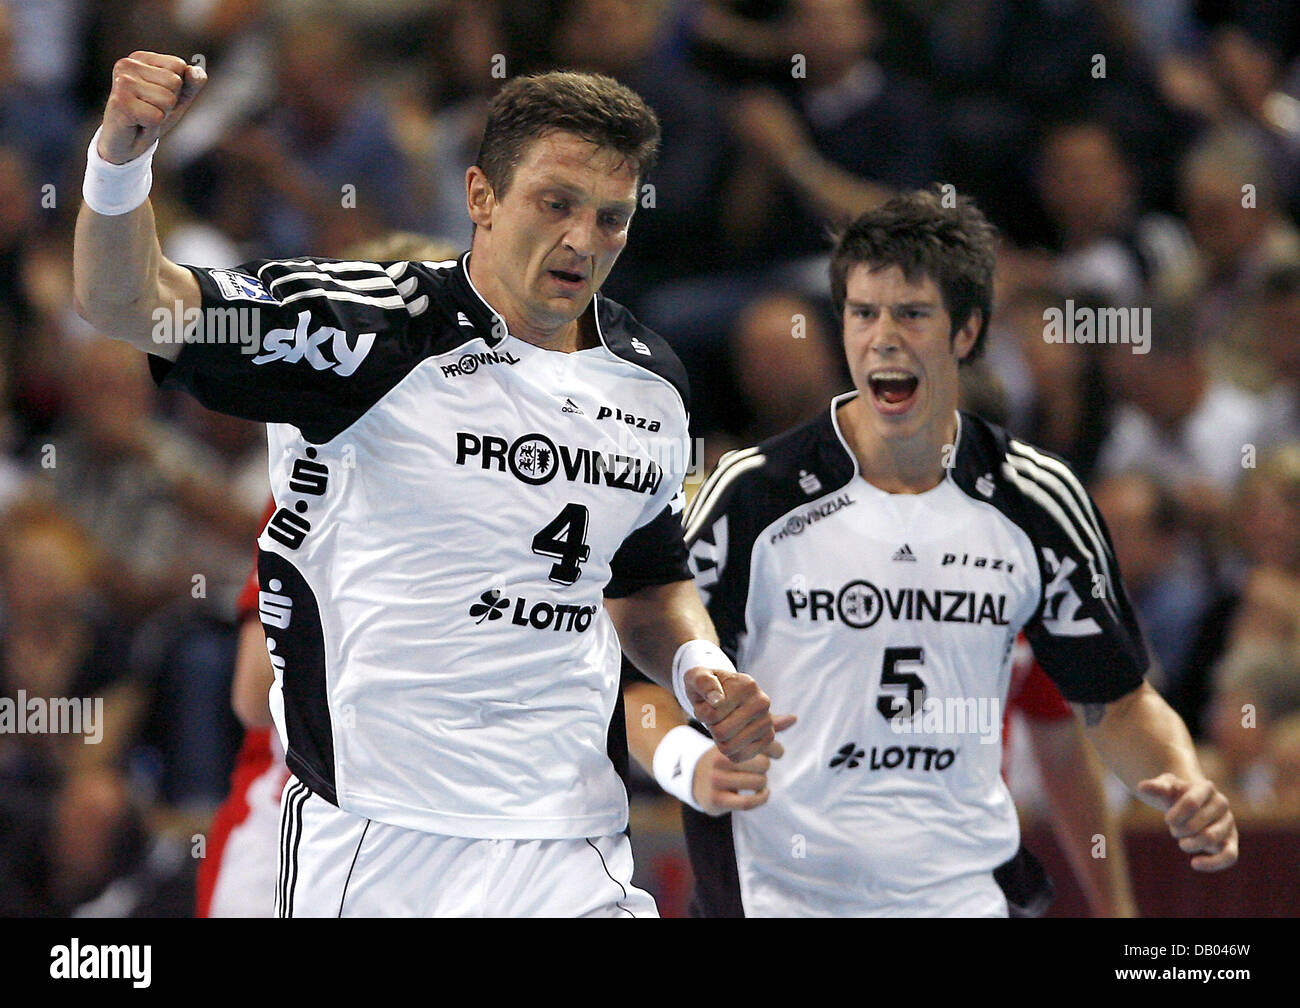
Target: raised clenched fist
x: 151, y: 91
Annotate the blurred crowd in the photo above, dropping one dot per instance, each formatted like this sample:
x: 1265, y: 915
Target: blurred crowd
x: 1136, y: 154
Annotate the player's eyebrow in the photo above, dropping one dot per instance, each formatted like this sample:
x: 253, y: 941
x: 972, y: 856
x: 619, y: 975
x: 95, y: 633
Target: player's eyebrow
x: 554, y: 184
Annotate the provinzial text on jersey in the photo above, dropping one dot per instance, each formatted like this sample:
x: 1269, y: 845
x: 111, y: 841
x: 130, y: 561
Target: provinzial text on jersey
x: 860, y: 604
x: 796, y: 523
x: 536, y: 459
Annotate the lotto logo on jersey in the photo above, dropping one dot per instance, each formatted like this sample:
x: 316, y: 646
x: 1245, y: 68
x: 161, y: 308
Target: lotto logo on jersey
x: 556, y: 616
x: 860, y: 604
x: 919, y: 758
x: 535, y: 459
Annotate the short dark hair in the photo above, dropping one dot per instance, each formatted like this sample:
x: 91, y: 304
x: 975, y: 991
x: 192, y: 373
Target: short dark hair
x: 592, y: 106
x: 935, y: 233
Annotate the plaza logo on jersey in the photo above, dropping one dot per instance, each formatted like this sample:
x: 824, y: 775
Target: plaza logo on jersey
x: 971, y: 560
x: 560, y: 617
x: 294, y: 345
x: 922, y: 758
x: 536, y: 459
x: 860, y: 604
x: 796, y: 523
x: 470, y: 362
x: 643, y: 423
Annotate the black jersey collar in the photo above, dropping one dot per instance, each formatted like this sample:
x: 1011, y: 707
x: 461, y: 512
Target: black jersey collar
x: 486, y: 320
x: 489, y: 322
x: 838, y: 444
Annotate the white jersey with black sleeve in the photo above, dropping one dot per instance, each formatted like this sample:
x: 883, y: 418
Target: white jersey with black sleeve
x: 886, y: 623
x: 452, y: 506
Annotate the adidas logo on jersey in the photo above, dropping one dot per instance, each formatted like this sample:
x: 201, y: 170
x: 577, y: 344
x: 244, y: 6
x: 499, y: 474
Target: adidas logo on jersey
x: 571, y: 407
x: 641, y: 348
x: 985, y: 485
x: 905, y: 554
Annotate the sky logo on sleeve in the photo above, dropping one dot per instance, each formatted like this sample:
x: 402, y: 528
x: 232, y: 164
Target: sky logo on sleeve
x: 297, y: 344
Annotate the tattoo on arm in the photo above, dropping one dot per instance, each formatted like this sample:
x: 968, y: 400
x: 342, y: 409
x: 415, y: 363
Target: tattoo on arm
x: 1093, y: 713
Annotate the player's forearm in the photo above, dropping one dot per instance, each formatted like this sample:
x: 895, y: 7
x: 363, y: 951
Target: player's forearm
x: 116, y: 272
x: 655, y: 621
x: 1076, y: 792
x: 1140, y: 737
x: 651, y: 712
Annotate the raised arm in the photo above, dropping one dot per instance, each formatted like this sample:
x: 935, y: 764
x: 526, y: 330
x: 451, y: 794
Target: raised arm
x: 120, y: 277
x: 1148, y: 747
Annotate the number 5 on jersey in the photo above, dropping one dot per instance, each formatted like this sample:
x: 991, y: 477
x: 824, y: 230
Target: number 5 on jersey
x: 564, y: 537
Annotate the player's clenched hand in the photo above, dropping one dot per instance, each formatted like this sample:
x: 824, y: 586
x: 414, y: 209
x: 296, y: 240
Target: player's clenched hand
x: 721, y: 786
x: 735, y: 711
x: 151, y: 91
x: 1198, y: 816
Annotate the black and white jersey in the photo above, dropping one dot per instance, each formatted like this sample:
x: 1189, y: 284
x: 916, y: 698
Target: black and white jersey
x: 886, y: 623
x: 452, y: 506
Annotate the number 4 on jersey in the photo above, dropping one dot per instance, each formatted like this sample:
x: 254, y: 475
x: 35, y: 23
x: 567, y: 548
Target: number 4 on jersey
x: 565, y: 538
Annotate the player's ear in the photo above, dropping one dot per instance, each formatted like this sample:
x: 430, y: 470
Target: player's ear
x: 479, y: 196
x: 963, y: 340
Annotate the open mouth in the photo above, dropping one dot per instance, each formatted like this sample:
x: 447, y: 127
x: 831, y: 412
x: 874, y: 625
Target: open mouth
x: 893, y: 390
x: 567, y: 277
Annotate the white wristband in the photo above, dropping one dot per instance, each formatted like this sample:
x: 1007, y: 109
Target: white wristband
x: 675, y: 760
x: 115, y: 189
x: 691, y: 654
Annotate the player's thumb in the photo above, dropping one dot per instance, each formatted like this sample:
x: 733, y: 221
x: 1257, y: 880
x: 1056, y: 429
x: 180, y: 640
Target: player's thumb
x: 703, y: 685
x: 1161, y: 792
x: 195, y: 77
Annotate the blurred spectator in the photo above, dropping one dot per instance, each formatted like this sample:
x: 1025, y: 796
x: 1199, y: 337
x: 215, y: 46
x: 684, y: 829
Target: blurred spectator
x: 1055, y: 393
x: 1003, y: 69
x: 677, y: 225
x: 173, y: 513
x: 327, y: 149
x: 1180, y: 417
x: 1255, y: 688
x: 1284, y: 751
x: 66, y: 823
x: 1260, y: 598
x: 1166, y: 580
x: 1109, y: 249
x: 41, y: 47
x: 1239, y: 233
x: 786, y: 365
x: 843, y: 135
x: 1277, y: 335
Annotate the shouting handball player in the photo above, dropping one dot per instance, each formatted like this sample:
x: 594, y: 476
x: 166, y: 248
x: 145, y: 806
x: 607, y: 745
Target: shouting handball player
x: 872, y: 568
